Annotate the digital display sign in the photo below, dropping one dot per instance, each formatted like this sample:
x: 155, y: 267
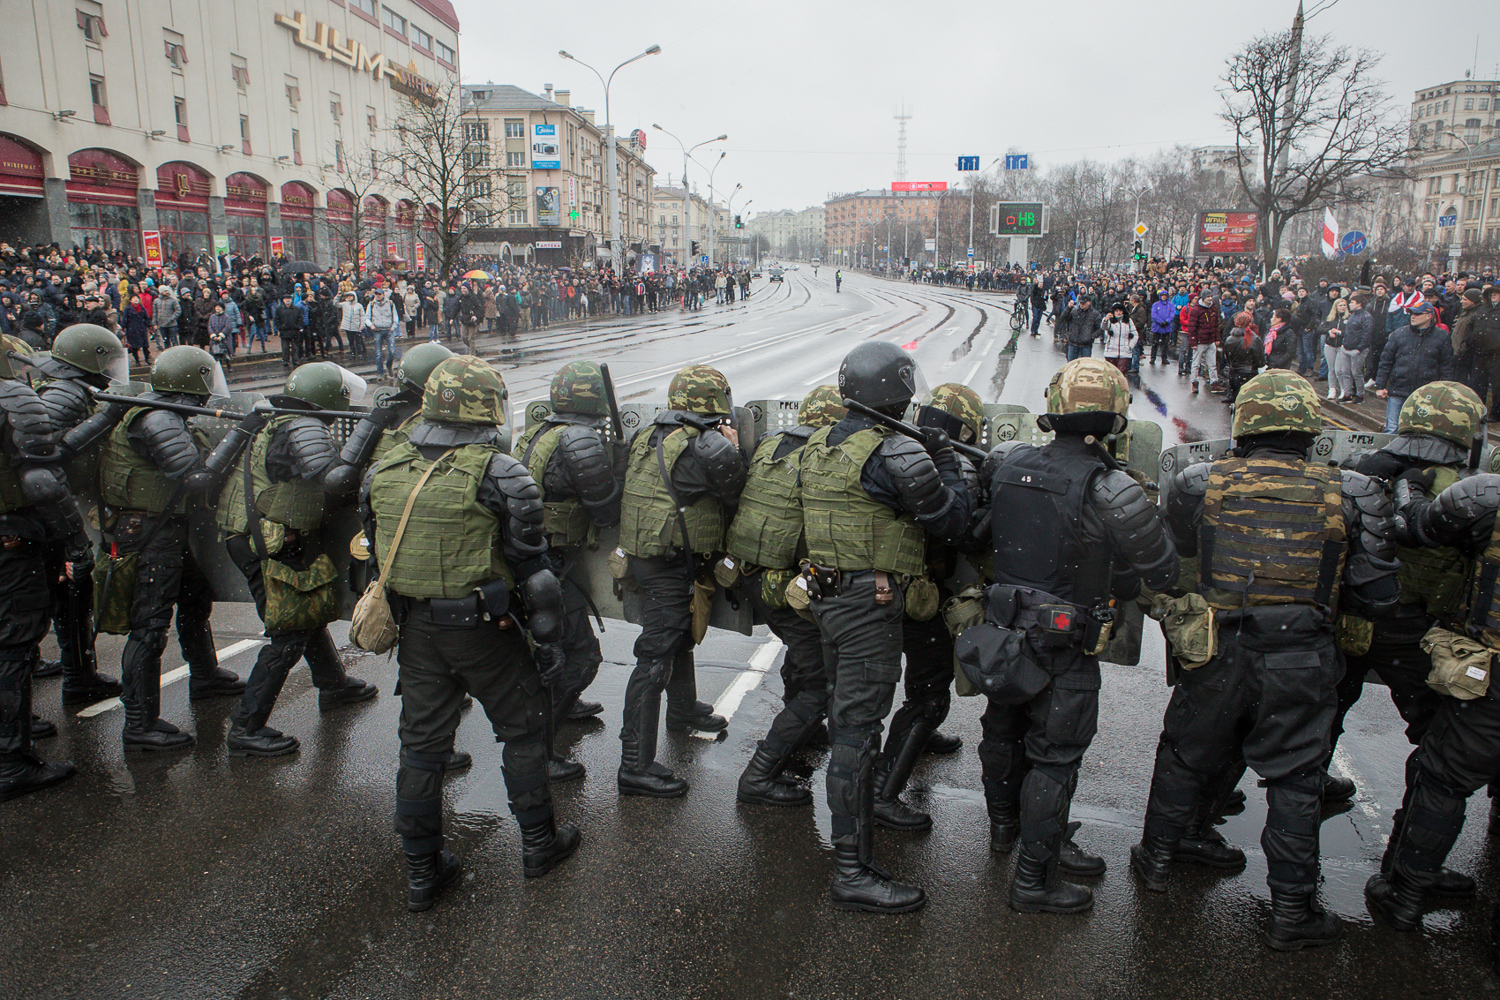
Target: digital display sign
x: 1016, y: 218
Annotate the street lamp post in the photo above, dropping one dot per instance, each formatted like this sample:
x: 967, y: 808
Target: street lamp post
x: 1455, y: 251
x: 712, y: 219
x: 616, y: 250
x: 729, y: 205
x: 687, y: 206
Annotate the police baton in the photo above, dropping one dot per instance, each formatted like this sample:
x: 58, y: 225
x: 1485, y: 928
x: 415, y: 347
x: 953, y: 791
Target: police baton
x: 911, y: 431
x: 188, y: 409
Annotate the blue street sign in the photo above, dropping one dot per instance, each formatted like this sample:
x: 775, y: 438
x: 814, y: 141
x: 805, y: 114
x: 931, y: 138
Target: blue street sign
x: 1354, y: 243
x: 971, y: 251
x: 1017, y: 161
x: 968, y: 163
x: 703, y: 259
x: 1445, y: 221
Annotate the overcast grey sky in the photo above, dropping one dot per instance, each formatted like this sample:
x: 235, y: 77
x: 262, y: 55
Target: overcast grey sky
x: 806, y: 89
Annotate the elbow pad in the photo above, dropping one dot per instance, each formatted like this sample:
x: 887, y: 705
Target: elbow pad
x: 1369, y: 516
x: 366, y: 435
x: 311, y: 447
x: 916, y: 477
x: 1185, y: 495
x: 542, y: 593
x: 590, y: 471
x: 1133, y: 524
x: 1463, y: 513
x: 88, y: 431
x: 43, y: 486
x: 168, y: 442
x: 512, y: 494
x: 723, y: 465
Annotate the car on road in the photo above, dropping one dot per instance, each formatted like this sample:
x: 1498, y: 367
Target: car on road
x: 794, y: 267
x: 776, y: 274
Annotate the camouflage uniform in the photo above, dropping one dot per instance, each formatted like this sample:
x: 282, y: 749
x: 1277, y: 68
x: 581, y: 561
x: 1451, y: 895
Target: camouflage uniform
x: 1283, y: 545
x: 470, y: 569
x: 704, y: 472
x: 766, y: 541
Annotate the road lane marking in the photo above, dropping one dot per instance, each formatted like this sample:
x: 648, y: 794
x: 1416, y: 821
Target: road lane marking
x: 969, y: 378
x: 1346, y: 764
x: 747, y: 681
x: 820, y: 379
x: 173, y: 676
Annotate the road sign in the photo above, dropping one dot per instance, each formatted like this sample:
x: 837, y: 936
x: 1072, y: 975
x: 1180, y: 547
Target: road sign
x: 1354, y: 243
x: 1141, y: 229
x: 703, y: 259
x: 1446, y: 221
x: 971, y: 251
x: 931, y: 246
x: 968, y: 163
x: 1017, y: 218
x: 1017, y: 161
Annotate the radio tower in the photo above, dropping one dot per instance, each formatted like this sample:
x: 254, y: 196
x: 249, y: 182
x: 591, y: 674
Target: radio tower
x: 901, y: 116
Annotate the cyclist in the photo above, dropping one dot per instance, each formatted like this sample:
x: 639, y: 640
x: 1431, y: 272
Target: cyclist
x: 1020, y: 310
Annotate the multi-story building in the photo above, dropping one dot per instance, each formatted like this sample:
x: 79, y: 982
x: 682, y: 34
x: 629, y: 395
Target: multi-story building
x: 548, y: 195
x: 791, y: 233
x: 162, y: 128
x: 1457, y: 196
x: 671, y: 230
x: 861, y: 226
x: 1471, y: 108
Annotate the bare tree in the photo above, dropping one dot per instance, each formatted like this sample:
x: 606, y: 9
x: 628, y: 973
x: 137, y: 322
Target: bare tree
x: 1307, y: 124
x: 443, y: 156
x: 357, y: 174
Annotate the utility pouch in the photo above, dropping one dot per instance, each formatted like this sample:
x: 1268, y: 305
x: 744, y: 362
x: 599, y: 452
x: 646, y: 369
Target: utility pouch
x: 1189, y: 626
x: 727, y: 571
x: 1354, y: 634
x: 300, y: 600
x: 997, y: 662
x: 703, y: 606
x: 114, y: 591
x: 494, y: 596
x: 1460, y: 665
x: 964, y: 610
x: 798, y: 596
x: 454, y: 612
x: 922, y: 599
x: 775, y: 584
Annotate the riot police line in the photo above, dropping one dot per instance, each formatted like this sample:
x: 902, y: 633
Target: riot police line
x: 1283, y: 570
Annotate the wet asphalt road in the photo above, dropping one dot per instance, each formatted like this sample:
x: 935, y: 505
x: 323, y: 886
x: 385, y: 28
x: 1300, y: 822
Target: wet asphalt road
x: 197, y: 876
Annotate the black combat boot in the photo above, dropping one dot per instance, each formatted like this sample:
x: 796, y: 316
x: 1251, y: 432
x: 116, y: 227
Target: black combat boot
x: 584, y: 710
x: 41, y: 729
x: 1151, y: 860
x: 219, y: 683
x: 1210, y: 849
x: 1297, y: 921
x: 458, y: 760
x: 1445, y: 883
x: 1337, y: 790
x: 942, y: 743
x: 353, y: 690
x: 85, y: 689
x: 263, y: 741
x: 23, y: 772
x: 46, y: 668
x: 1036, y: 887
x: 426, y: 875
x: 699, y: 715
x: 760, y: 784
x: 144, y: 730
x: 640, y: 774
x: 1005, y: 825
x: 892, y: 770
x: 1074, y: 860
x: 857, y: 885
x: 1397, y: 898
x: 546, y: 844
x: 561, y: 769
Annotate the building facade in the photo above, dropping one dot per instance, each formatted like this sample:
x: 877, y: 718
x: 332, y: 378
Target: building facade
x: 865, y: 226
x: 791, y: 233
x: 161, y: 128
x: 548, y: 197
x: 1470, y: 108
x: 671, y: 231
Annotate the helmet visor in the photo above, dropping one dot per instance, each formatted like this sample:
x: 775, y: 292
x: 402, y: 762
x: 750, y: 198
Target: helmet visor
x: 353, y: 384
x: 117, y: 368
x: 921, y: 391
x: 218, y: 385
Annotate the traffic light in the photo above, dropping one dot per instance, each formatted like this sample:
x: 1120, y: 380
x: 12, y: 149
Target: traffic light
x: 695, y: 248
x: 737, y: 223
x: 1136, y: 253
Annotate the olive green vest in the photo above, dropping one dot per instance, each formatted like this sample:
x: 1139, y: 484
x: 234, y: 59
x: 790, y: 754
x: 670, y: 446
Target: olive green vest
x: 452, y: 542
x: 128, y: 480
x: 1434, y: 579
x: 1272, y: 532
x: 12, y: 497
x: 648, y: 518
x: 565, y: 518
x: 297, y: 503
x: 394, y: 436
x: 848, y: 529
x: 767, y: 528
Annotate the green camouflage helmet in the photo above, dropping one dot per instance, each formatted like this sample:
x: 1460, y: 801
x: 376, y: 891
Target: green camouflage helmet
x: 10, y: 344
x: 579, y: 388
x: 823, y: 407
x: 1277, y: 401
x: 1087, y: 385
x: 417, y: 364
x: 464, y: 390
x: 186, y: 369
x: 700, y: 389
x: 958, y: 400
x: 1447, y: 410
x: 89, y: 348
x: 320, y: 384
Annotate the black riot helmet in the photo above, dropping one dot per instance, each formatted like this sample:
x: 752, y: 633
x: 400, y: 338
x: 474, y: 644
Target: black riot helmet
x: 880, y: 375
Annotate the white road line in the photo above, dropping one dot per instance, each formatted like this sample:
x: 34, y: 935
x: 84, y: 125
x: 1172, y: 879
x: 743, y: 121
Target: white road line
x: 1346, y: 764
x: 747, y: 681
x: 969, y: 378
x: 173, y: 676
x: 820, y: 379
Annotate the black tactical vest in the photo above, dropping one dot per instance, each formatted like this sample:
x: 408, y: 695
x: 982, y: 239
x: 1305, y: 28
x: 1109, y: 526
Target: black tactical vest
x: 1037, y: 501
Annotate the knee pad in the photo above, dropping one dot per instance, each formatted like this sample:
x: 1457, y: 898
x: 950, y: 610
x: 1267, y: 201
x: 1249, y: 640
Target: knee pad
x: 152, y: 640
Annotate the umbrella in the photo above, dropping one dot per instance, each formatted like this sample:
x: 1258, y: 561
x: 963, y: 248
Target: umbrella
x: 476, y: 273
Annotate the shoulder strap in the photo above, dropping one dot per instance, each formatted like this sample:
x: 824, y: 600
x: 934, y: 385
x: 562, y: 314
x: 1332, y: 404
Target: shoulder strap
x: 406, y: 514
x: 666, y: 481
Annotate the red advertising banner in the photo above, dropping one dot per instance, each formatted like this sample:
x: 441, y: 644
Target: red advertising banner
x: 278, y: 245
x: 919, y: 185
x: 151, y: 238
x: 390, y: 251
x: 1227, y: 232
x: 421, y: 256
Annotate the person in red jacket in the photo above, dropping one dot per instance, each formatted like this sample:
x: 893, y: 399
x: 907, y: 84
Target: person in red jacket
x: 1202, y: 328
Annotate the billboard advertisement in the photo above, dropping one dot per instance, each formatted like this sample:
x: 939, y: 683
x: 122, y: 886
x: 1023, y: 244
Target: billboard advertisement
x: 152, y: 240
x: 549, y: 206
x: 919, y: 185
x: 1227, y: 232
x: 1017, y: 218
x: 545, y: 152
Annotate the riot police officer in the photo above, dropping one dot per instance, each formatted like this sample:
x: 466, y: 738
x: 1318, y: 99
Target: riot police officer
x: 35, y: 509
x: 567, y: 456
x: 869, y: 498
x: 1435, y: 433
x: 765, y: 545
x: 270, y: 510
x: 1460, y: 752
x: 389, y: 421
x: 959, y: 412
x: 83, y: 357
x: 684, y: 468
x: 1282, y: 545
x: 145, y: 475
x: 1073, y: 533
x: 464, y: 558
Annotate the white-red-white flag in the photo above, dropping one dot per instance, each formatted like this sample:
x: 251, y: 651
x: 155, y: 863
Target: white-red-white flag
x: 1330, y: 235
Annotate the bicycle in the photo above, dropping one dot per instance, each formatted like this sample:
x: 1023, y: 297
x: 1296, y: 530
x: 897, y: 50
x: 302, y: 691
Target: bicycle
x: 1020, y: 315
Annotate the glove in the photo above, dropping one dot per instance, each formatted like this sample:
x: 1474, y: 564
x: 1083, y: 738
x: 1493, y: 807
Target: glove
x: 549, y: 662
x: 79, y: 555
x: 114, y: 412
x: 1419, y: 479
x: 936, y: 441
x: 252, y: 422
